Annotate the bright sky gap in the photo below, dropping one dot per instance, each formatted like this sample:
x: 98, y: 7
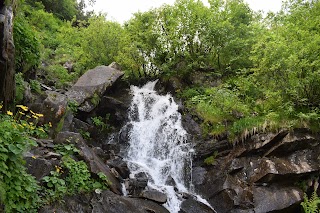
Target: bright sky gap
x: 122, y: 10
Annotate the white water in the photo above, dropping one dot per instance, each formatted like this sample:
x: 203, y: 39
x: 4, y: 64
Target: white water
x: 158, y: 144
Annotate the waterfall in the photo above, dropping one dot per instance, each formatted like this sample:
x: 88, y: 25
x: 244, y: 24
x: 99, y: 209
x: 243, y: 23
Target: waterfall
x: 158, y: 144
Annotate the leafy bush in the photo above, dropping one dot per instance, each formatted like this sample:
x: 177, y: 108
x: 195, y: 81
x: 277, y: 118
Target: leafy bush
x: 98, y: 122
x: 19, y: 87
x: 27, y: 51
x: 312, y: 204
x: 71, y: 178
x: 18, y: 188
x: 35, y: 86
x: 59, y: 75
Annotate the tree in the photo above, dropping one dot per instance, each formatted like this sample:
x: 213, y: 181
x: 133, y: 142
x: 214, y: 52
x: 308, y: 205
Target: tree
x: 7, y: 70
x: 188, y: 36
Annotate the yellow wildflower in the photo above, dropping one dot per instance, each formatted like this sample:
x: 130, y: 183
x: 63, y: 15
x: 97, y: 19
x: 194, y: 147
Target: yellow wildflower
x: 58, y: 169
x: 1, y: 106
x: 50, y: 124
x: 9, y: 113
x: 31, y: 123
x: 34, y: 116
x: 32, y: 112
x: 41, y: 129
x: 34, y: 157
x: 21, y: 113
x: 39, y: 115
x: 24, y: 108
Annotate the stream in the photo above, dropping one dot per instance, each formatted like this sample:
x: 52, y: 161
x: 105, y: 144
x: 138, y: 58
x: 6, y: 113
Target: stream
x: 158, y: 145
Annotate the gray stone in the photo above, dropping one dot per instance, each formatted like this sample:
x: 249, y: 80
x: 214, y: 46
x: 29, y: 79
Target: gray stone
x: 198, y: 175
x: 267, y: 199
x: 90, y: 86
x: 154, y: 195
x: 191, y: 205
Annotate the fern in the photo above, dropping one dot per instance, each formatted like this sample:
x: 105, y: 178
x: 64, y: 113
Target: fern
x: 311, y: 205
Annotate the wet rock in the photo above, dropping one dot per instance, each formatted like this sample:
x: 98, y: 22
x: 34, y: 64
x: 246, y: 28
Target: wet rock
x: 137, y: 184
x: 124, y: 134
x: 198, y: 175
x: 191, y: 126
x: 90, y: 87
x: 154, y: 195
x: 121, y: 167
x: 170, y: 181
x: 191, y: 205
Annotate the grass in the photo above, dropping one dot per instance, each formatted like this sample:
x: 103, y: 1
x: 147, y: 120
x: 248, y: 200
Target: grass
x: 228, y: 111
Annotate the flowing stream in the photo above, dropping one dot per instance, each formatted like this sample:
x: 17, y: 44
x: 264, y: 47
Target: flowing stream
x: 158, y: 144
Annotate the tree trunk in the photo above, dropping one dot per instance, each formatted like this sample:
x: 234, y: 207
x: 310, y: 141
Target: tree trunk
x: 7, y: 71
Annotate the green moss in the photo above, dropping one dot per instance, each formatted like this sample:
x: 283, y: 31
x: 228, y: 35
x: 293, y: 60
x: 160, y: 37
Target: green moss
x: 95, y: 100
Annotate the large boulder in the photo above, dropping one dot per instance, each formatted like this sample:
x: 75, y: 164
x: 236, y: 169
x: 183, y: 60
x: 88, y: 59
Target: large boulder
x: 92, y: 85
x: 53, y: 105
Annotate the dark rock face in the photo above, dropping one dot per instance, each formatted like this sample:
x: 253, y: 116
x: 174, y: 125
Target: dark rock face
x: 260, y: 174
x: 91, y: 86
x: 104, y: 202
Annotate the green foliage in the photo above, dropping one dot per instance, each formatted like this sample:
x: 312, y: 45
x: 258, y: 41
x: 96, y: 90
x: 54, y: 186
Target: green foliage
x: 98, y: 122
x: 35, y: 86
x: 85, y: 134
x: 19, y: 87
x: 55, y: 186
x: 73, y: 106
x: 210, y: 160
x: 18, y: 188
x: 59, y: 75
x: 71, y: 178
x: 178, y: 39
x: 66, y: 149
x: 27, y: 45
x: 95, y: 99
x: 312, y: 204
x: 63, y: 9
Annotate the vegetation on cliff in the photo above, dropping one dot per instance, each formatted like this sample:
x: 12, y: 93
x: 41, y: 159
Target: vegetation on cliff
x: 239, y: 72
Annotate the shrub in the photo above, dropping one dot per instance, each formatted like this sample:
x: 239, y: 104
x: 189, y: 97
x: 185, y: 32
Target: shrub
x: 18, y: 188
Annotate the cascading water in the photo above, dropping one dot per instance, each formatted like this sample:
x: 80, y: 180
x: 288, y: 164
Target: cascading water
x: 158, y: 144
